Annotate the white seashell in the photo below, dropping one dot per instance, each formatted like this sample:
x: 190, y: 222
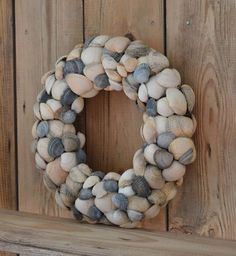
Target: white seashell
x: 149, y: 152
x: 117, y: 44
x: 142, y: 93
x: 42, y: 148
x: 157, y: 61
x: 49, y: 83
x: 37, y: 111
x: 137, y: 203
x: 189, y: 95
x: 126, y: 178
x: 55, y: 128
x: 139, y: 162
x: 100, y: 40
x: 46, y: 111
x: 40, y: 162
x: 91, y: 55
x: 58, y: 89
x: 34, y: 129
x: 168, y: 78
x: 92, y: 70
x: 98, y: 190
x: 112, y: 176
x: 76, y: 175
x: 163, y: 107
x: 121, y: 70
x: 91, y: 181
x: 46, y: 75
x: 90, y: 94
x: 104, y: 203
x: 79, y: 84
x: 84, y: 168
x: 68, y: 161
x: 127, y: 191
x: 69, y: 128
x: 154, y: 177
x: 109, y: 63
x: 113, y: 75
x: 82, y: 139
x: 130, y: 64
x: 161, y: 124
x: 149, y: 131
x: 84, y: 205
x: 55, y: 105
x: 154, y: 89
x: 78, y: 105
x: 174, y: 172
x: 117, y: 217
x: 176, y: 100
x: 152, y: 212
x: 115, y: 85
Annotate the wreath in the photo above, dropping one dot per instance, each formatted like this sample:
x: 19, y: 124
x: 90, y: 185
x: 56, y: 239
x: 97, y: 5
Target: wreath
x: 114, y: 63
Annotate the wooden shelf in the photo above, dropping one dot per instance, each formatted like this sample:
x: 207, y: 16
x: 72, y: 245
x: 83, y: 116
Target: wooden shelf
x: 32, y: 234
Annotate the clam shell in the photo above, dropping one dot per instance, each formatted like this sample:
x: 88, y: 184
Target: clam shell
x: 91, y: 181
x: 112, y: 176
x: 100, y: 174
x: 142, y: 73
x: 45, y: 111
x: 68, y: 161
x: 93, y: 70
x: 55, y: 128
x: 170, y: 190
x: 139, y: 162
x: 36, y: 110
x: 84, y: 205
x: 110, y: 185
x: 154, y: 89
x: 78, y: 105
x: 69, y: 128
x: 120, y: 201
x: 77, y: 175
x: 141, y: 187
x: 176, y: 100
x: 101, y: 81
x: 91, y: 55
x: 48, y: 183
x: 121, y: 70
x: 79, y: 84
x: 126, y: 178
x: 98, y: 190
x: 127, y: 191
x: 140, y: 105
x: 85, y: 194
x: 117, y: 44
x: 154, y: 177
x: 34, y: 129
x: 55, y: 105
x: 94, y: 213
x: 68, y: 117
x: 142, y: 93
x: 59, y: 70
x: 189, y: 96
x: 158, y: 197
x: 70, y: 142
x: 81, y: 156
x: 163, y: 107
x: 55, y: 147
x: 149, y: 131
x: 151, y: 107
x: 117, y: 217
x: 43, y: 96
x: 152, y: 212
x: 40, y: 163
x: 87, y: 42
x: 174, y: 172
x: 137, y: 203
x: 100, y: 40
x: 104, y: 203
x: 137, y: 49
x: 33, y: 146
x: 59, y: 201
x: 157, y: 61
x: 132, y: 82
x: 134, y: 215
x: 164, y: 139
x: 73, y: 66
x: 82, y: 139
x: 74, y: 54
x: 130, y: 64
x: 115, y: 55
x: 108, y: 62
x: 58, y: 89
x: 163, y: 158
x: 73, y: 187
x: 45, y: 76
x: 168, y: 78
x: 42, y: 148
x: 113, y: 75
x: 129, y: 91
x: 115, y: 85
x: 84, y: 168
x: 143, y: 59
x: 161, y: 124
x: 149, y: 152
x: 67, y: 198
x: 68, y: 97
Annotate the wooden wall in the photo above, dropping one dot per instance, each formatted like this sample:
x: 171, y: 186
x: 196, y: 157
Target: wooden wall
x: 199, y: 38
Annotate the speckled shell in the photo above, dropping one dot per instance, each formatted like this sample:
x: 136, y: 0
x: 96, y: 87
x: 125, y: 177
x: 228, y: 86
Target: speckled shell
x: 158, y: 197
x: 84, y: 205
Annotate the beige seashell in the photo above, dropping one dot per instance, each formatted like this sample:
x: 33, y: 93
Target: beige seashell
x: 179, y: 182
x: 127, y: 191
x: 46, y: 111
x: 183, y: 149
x: 117, y: 217
x: 92, y: 70
x: 126, y: 178
x: 98, y: 190
x: 55, y: 105
x: 82, y: 139
x: 46, y: 75
x: 79, y: 84
x: 149, y: 152
x: 163, y: 107
x: 137, y: 203
x: 130, y: 64
x: 91, y: 55
x: 104, y: 204
x: 189, y: 96
x: 59, y: 70
x: 90, y: 94
x: 84, y: 205
x: 143, y: 59
x: 73, y: 187
x: 100, y: 40
x: 161, y: 124
x: 68, y: 161
x: 58, y: 89
x: 154, y: 177
x: 109, y: 63
x: 149, y: 131
x: 168, y: 78
x: 69, y: 128
x: 170, y: 190
x: 84, y: 168
x: 113, y: 75
x: 112, y: 176
x: 70, y: 142
x: 158, y: 197
x: 121, y: 70
x: 117, y: 44
x: 74, y: 54
x: 130, y: 224
x: 36, y: 110
x: 56, y: 174
x: 77, y: 175
x: 55, y: 128
x: 40, y: 163
x: 157, y: 61
x: 34, y: 129
x: 129, y: 91
x: 48, y: 183
x: 152, y: 212
x: 115, y: 85
x: 139, y: 162
x: 42, y: 148
x: 142, y: 93
x: 78, y: 105
x: 91, y: 181
x: 49, y: 83
x: 59, y: 201
x: 176, y: 100
x: 174, y: 172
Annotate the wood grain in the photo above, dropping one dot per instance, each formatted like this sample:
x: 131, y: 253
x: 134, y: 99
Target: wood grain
x: 112, y: 120
x: 40, y: 235
x: 201, y: 38
x: 45, y: 30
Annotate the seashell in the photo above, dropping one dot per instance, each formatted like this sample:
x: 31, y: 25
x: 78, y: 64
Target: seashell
x: 43, y: 96
x: 110, y: 185
x: 100, y: 40
x: 142, y: 93
x: 115, y: 55
x: 126, y: 178
x: 67, y: 198
x: 134, y: 215
x: 77, y: 215
x: 98, y: 190
x: 74, y: 54
x: 73, y: 66
x: 161, y: 124
x: 56, y: 174
x: 93, y: 92
x: 104, y: 203
x: 121, y: 70
x: 55, y: 147
x: 91, y: 181
x: 69, y: 128
x: 149, y: 152
x: 151, y: 107
x: 115, y: 85
x: 79, y: 84
x: 45, y: 76
x: 59, y: 201
x: 154, y: 90
x: 141, y: 187
x: 117, y: 217
x: 120, y: 201
x: 78, y: 105
x: 113, y: 75
x: 157, y: 61
x: 58, y: 89
x: 154, y: 177
x: 149, y: 131
x: 45, y: 111
x: 176, y: 100
x: 138, y: 204
x: 87, y: 42
x: 174, y: 172
x: 84, y: 168
x: 168, y: 78
x: 130, y: 64
x: 94, y: 213
x: 127, y: 191
x: 112, y: 176
x: 85, y: 194
x: 189, y: 96
x: 68, y: 117
x: 88, y: 220
x: 55, y: 105
x: 183, y: 149
x: 40, y: 163
x: 152, y: 212
x: 108, y: 62
x: 170, y: 190
x: 42, y: 148
x: 82, y: 139
x: 163, y: 107
x: 77, y: 175
x: 84, y: 205
x: 100, y: 174
x: 140, y: 105
x: 158, y: 197
x: 68, y: 97
x: 117, y: 44
x: 91, y: 55
x: 34, y: 129
x: 81, y: 156
x: 179, y: 182
x: 137, y: 49
x: 130, y: 224
x: 36, y: 110
x: 70, y: 142
x: 163, y: 158
x: 139, y: 162
x: 143, y: 59
x: 68, y: 161
x: 55, y: 128
x: 101, y: 81
x: 132, y: 82
x: 73, y: 187
x: 93, y: 70
x: 129, y: 91
x: 48, y: 183
x: 59, y: 70
x: 164, y: 139
x: 33, y: 146
x: 142, y: 73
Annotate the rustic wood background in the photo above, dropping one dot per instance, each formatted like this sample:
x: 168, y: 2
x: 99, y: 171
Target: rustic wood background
x: 199, y: 38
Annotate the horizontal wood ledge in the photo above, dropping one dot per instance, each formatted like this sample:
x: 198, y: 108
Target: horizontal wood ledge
x: 32, y: 234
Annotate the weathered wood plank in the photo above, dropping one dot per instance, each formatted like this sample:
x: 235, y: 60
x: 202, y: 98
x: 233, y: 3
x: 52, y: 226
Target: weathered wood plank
x: 201, y: 38
x: 112, y: 120
x: 45, y: 30
x: 35, y: 235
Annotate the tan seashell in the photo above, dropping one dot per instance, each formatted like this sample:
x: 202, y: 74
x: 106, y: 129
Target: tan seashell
x: 55, y: 128
x: 115, y: 86
x: 109, y: 63
x: 84, y: 205
x: 40, y: 163
x: 158, y: 197
x: 91, y: 181
x: 74, y: 54
x: 55, y: 172
x: 104, y: 204
x: 34, y: 129
x: 82, y: 139
x: 137, y: 203
x: 69, y: 128
x: 49, y: 83
x: 68, y: 161
x: 100, y: 40
x: 98, y: 190
x: 157, y: 61
x: 130, y: 64
x: 91, y: 55
x: 73, y: 187
x: 183, y: 150
x: 152, y: 212
x: 90, y: 94
x: 149, y: 152
x: 163, y: 107
x: 59, y: 201
x: 121, y: 70
x: 161, y: 124
x: 48, y: 183
x: 113, y: 75
x: 126, y: 178
x: 79, y: 84
x: 117, y: 44
x: 46, y: 111
x: 92, y: 70
x: 55, y: 105
x: 179, y: 182
x: 59, y: 70
x: 117, y: 217
x: 77, y: 175
x: 46, y: 75
x: 36, y: 110
x: 189, y: 96
x: 149, y: 131
x: 154, y: 177
x: 78, y: 105
x: 142, y: 93
x: 42, y: 148
x: 168, y: 78
x: 112, y: 176
x: 58, y: 89
x: 174, y: 172
x: 127, y: 191
x: 170, y: 190
x: 176, y: 100
x: 139, y: 162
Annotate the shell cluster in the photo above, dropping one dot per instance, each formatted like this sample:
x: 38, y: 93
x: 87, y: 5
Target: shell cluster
x: 114, y: 63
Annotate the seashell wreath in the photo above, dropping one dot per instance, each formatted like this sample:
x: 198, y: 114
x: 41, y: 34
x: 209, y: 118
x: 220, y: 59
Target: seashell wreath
x: 114, y: 63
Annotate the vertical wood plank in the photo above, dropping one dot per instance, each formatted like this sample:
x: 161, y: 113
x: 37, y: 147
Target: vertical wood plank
x: 112, y: 120
x: 45, y: 30
x: 201, y: 38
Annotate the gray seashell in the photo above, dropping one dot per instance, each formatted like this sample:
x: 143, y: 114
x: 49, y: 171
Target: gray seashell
x: 164, y: 139
x: 85, y: 194
x: 68, y: 97
x: 132, y: 82
x: 120, y: 201
x: 94, y: 213
x: 151, y: 107
x: 77, y: 214
x: 81, y: 156
x: 42, y: 129
x: 137, y: 49
x: 87, y: 42
x: 115, y: 55
x: 68, y: 117
x: 142, y: 73
x: 186, y: 157
x: 129, y: 90
x: 101, y: 81
x: 163, y: 158
x: 135, y: 215
x: 70, y: 141
x: 43, y: 96
x: 55, y: 147
x: 73, y: 66
x: 141, y: 187
x: 110, y: 185
x: 100, y: 174
x: 67, y: 198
